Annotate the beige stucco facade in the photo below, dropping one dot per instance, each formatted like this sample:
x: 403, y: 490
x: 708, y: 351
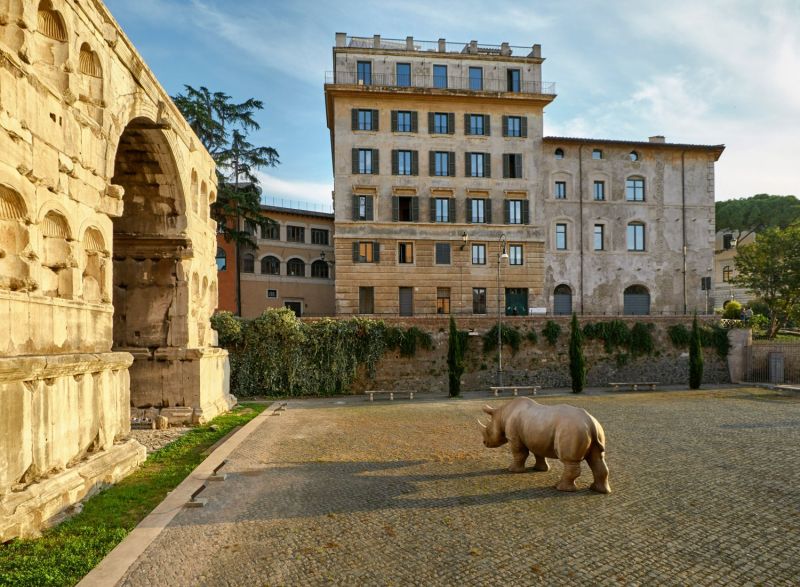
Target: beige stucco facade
x: 107, y: 273
x: 725, y: 250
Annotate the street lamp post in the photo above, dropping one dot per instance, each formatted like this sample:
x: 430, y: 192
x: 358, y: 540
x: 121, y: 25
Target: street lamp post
x: 501, y: 254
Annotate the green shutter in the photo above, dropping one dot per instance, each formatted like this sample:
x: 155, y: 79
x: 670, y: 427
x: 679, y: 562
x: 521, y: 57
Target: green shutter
x: 523, y: 126
x: 355, y: 207
x: 430, y: 123
x: 376, y: 165
x: 505, y: 126
x: 415, y: 209
x: 487, y: 165
x: 394, y: 162
x: 526, y: 219
x: 394, y: 120
x: 431, y: 163
x: 432, y: 204
x: 487, y: 125
x: 355, y: 161
x: 370, y: 208
x: 414, y: 121
x: 354, y: 118
x: 507, y: 211
x: 467, y: 166
x: 506, y: 165
x: 395, y: 208
x: 451, y: 164
x: 375, y: 120
x: 468, y: 217
x: 355, y: 252
x: 518, y: 164
x: 451, y: 123
x: 467, y: 127
x: 451, y: 209
x: 376, y: 251
x: 488, y: 210
x: 414, y: 162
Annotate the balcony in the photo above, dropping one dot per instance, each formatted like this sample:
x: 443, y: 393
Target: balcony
x: 391, y: 80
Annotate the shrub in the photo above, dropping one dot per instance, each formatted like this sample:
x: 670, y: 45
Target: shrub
x: 679, y: 335
x: 759, y: 306
x: 641, y: 339
x: 456, y: 345
x: 695, y: 357
x: 716, y: 337
x: 413, y: 337
x: 509, y: 335
x: 759, y: 322
x: 577, y: 362
x: 733, y: 310
x: 532, y: 336
x: 614, y: 334
x: 228, y: 327
x: 551, y: 332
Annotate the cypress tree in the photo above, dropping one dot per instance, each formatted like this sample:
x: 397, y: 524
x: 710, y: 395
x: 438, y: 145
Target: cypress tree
x: 455, y: 359
x: 695, y: 357
x: 577, y: 362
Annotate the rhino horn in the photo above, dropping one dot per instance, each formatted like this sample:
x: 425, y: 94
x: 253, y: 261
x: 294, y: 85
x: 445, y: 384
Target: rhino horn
x: 481, y: 423
x: 488, y: 409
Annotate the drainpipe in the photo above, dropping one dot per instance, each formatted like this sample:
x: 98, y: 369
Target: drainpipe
x: 683, y: 226
x: 580, y: 216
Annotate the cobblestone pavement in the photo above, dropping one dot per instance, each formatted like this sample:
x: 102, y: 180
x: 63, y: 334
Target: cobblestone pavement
x: 706, y: 492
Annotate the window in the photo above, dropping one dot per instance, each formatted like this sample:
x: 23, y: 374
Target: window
x: 365, y: 120
x: 478, y: 165
x: 561, y: 190
x: 636, y: 236
x: 597, y: 154
x: 439, y: 76
x: 405, y: 209
x: 442, y: 300
x: 727, y: 273
x: 442, y: 164
x: 319, y: 268
x: 403, y: 121
x: 403, y: 74
x: 479, y: 254
x: 512, y: 165
x: 478, y: 300
x: 477, y: 210
x: 513, y: 126
x: 559, y: 153
x: 250, y: 227
x: 515, y: 210
x: 562, y: 300
x: 248, y: 263
x: 561, y: 237
x: 270, y: 266
x: 403, y: 163
x: 441, y: 123
x: 364, y: 162
x: 636, y: 300
x: 599, y: 237
x: 442, y: 210
x: 362, y: 208
x: 272, y: 293
x: 295, y: 234
x: 366, y: 252
x: 364, y: 72
x: 296, y: 268
x: 442, y: 253
x: 515, y: 255
x: 366, y: 300
x: 405, y: 252
x: 476, y: 124
x: 513, y: 78
x: 634, y: 156
x: 634, y: 189
x: 475, y: 78
x: 319, y: 236
x: 222, y: 259
x: 599, y: 192
x: 271, y: 231
x: 727, y: 241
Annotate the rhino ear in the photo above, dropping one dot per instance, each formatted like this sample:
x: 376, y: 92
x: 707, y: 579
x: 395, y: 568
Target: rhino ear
x: 489, y: 410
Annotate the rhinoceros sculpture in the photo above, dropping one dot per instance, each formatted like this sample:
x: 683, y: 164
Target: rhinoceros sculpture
x: 561, y: 432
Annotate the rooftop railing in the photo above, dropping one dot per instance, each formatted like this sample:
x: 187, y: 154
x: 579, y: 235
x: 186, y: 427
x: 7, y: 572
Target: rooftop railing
x: 299, y: 205
x: 440, y: 82
x: 440, y: 46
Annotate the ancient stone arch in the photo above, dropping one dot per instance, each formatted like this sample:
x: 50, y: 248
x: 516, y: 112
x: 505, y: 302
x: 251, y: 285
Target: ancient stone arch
x: 96, y: 248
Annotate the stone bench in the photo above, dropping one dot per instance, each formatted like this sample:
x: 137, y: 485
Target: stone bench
x: 634, y: 385
x: 515, y: 389
x: 391, y: 394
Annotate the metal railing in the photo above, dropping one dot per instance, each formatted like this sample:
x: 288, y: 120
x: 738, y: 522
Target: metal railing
x: 392, y: 80
x: 296, y: 204
x: 773, y: 363
x: 440, y: 46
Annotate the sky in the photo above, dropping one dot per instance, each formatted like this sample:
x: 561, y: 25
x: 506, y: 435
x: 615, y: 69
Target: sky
x: 710, y: 72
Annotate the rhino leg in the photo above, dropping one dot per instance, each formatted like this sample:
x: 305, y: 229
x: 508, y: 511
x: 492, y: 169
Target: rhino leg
x: 519, y: 454
x: 599, y: 469
x: 572, y: 470
x: 541, y: 464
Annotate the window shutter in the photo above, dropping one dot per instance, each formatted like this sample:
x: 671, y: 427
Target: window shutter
x: 467, y: 127
x: 355, y: 252
x: 355, y: 161
x: 487, y: 125
x: 375, y: 120
x: 370, y: 208
x: 415, y: 209
x: 431, y: 163
x: 394, y: 120
x: 467, y: 165
x: 432, y: 209
x: 430, y: 122
x: 451, y: 209
x: 355, y: 207
x: 507, y: 211
x: 354, y: 119
x: 451, y: 123
x: 523, y: 126
x: 414, y: 162
x: 488, y: 210
x: 487, y: 165
x: 376, y: 166
x: 469, y: 211
x: 414, y: 121
x: 526, y: 218
x: 376, y: 251
x: 506, y: 165
x: 395, y: 208
x: 518, y: 164
x: 505, y: 126
x: 395, y: 165
x: 451, y: 164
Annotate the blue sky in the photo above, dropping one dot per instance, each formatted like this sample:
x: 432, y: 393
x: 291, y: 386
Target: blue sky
x: 716, y: 71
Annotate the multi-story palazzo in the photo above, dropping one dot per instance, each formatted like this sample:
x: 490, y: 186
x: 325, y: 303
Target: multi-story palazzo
x: 448, y: 199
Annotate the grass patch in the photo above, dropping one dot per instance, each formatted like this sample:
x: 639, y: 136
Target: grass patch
x: 64, y: 554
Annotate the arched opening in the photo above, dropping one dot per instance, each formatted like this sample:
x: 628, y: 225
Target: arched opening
x: 94, y: 266
x: 194, y: 190
x: 248, y: 263
x: 56, y: 258
x: 296, y: 268
x: 562, y: 300
x: 91, y: 83
x: 50, y: 47
x: 270, y: 265
x: 636, y: 301
x: 222, y: 259
x: 151, y: 249
x: 202, y: 201
x: 14, y: 237
x: 319, y: 269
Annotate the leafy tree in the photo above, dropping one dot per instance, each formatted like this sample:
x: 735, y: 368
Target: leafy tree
x: 577, y: 362
x: 770, y: 268
x: 695, y: 357
x: 762, y: 211
x: 456, y: 344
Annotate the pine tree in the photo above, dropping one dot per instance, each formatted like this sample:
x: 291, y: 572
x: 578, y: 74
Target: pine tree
x: 695, y: 357
x: 577, y: 362
x: 455, y: 359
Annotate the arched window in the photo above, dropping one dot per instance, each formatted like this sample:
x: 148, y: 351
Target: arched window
x: 270, y: 266
x: 89, y: 63
x: 559, y: 153
x: 50, y: 23
x: 636, y: 237
x: 727, y: 273
x: 633, y: 155
x: 634, y: 189
x: 248, y: 263
x: 636, y: 301
x: 222, y: 259
x: 296, y: 268
x: 562, y: 300
x: 319, y: 268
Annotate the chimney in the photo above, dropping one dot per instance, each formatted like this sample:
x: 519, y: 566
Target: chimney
x: 442, y: 46
x: 409, y: 43
x: 536, y: 51
x: 341, y: 39
x: 658, y: 139
x: 505, y: 49
x: 376, y: 41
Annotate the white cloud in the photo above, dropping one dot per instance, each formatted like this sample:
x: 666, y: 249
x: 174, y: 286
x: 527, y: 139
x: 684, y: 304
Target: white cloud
x: 297, y: 190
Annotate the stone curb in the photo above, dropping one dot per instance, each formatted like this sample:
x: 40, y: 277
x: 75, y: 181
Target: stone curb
x: 115, y: 565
